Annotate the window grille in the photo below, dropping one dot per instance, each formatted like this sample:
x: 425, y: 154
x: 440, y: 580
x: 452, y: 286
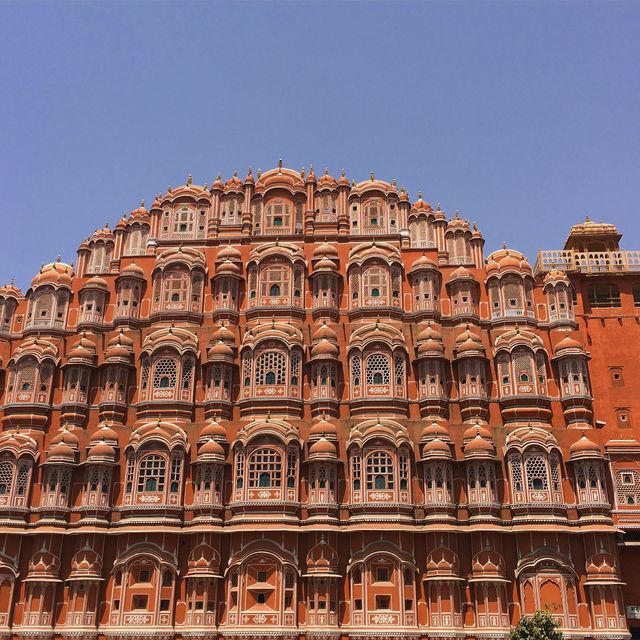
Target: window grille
x: 378, y: 369
x: 152, y: 473
x: 627, y: 488
x: 165, y: 374
x: 379, y: 471
x: 356, y: 371
x: 6, y: 477
x: 537, y: 473
x: 187, y: 373
x: 265, y: 468
x: 270, y: 368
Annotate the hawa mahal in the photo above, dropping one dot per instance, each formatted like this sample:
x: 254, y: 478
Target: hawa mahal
x: 293, y: 406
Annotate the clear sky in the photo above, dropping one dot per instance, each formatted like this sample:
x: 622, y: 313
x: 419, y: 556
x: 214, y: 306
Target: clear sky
x: 524, y: 116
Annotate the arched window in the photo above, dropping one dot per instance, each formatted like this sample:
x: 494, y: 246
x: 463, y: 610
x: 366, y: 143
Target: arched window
x: 270, y: 368
x: 627, y: 485
x: 535, y: 477
x: 152, y: 474
x: 15, y: 480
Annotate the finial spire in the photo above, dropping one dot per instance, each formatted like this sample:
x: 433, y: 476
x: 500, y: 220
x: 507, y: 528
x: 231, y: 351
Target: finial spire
x: 372, y: 177
x: 189, y: 180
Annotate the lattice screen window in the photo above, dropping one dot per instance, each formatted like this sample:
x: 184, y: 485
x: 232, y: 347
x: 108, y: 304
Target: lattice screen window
x: 555, y: 473
x: 396, y: 279
x: 152, y: 473
x: 291, y: 467
x: 144, y: 374
x: 165, y: 374
x: 239, y: 469
x: 46, y: 372
x: 354, y: 283
x: 627, y: 488
x: 271, y: 368
x: 356, y: 371
x: 373, y: 214
x: 295, y: 368
x: 537, y: 473
x: 27, y: 373
x: 265, y: 468
x: 187, y: 373
x: 512, y: 293
x: 183, y: 220
x: 176, y: 472
x: 356, y: 470
x: 378, y: 369
x: 403, y: 469
x: 399, y: 369
x: 129, y: 474
x: 515, y: 465
x: 380, y: 470
x: 523, y: 366
x: 6, y: 477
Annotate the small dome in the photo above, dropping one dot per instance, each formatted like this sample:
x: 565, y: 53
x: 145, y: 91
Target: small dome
x: 475, y: 430
x: 217, y: 184
x: 325, y: 264
x: 568, y: 343
x: 458, y: 223
x: 507, y: 260
x: 555, y: 275
x: 326, y: 181
x: 105, y: 433
x: 584, y: 448
x: 68, y: 437
x: 324, y: 331
x: 479, y: 447
x: 223, y: 333
x: 234, y: 183
x: 228, y: 268
x: 323, y: 428
x: 84, y: 350
x: 220, y: 351
x: 322, y: 449
x: 102, y: 451
x: 461, y: 273
x: 436, y: 449
x: 211, y: 450
x: 325, y: 250
x: 229, y: 253
x: 213, y: 430
x: 105, y: 234
x: 430, y: 342
x: 324, y: 349
x: 10, y: 291
x: 435, y: 430
x: 57, y: 274
x: 61, y: 452
x: 131, y: 271
x: 468, y: 341
x: 96, y: 282
x: 421, y: 205
x: 139, y: 213
x: 423, y: 263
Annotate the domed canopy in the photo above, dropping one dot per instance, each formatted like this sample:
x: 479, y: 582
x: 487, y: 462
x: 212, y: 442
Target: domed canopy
x: 507, y: 260
x: 61, y: 453
x: 323, y: 428
x: 437, y: 449
x: 568, y: 346
x: 82, y: 352
x: 461, y: 273
x: 326, y: 181
x: 469, y: 344
x: 430, y: 342
x: 325, y: 250
x: 10, y: 291
x: 476, y: 429
x: 56, y: 274
x: 322, y: 449
x: 229, y: 252
x: 101, y: 453
x: 213, y: 430
x: 119, y: 348
x: 220, y: 352
x: 324, y: 350
x: 324, y: 331
x: 86, y: 564
x: 479, y: 447
x: 435, y: 430
x: 424, y: 263
x: 131, y: 271
x: 96, y: 282
x: 421, y: 205
x: 584, y: 449
x: 211, y: 451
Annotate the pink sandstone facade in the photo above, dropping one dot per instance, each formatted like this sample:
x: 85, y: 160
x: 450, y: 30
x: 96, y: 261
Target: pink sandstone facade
x: 293, y: 406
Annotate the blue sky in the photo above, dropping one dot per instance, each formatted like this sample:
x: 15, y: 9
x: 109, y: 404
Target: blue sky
x: 524, y: 116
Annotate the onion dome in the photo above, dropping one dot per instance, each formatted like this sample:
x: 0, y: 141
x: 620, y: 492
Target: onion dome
x: 228, y: 268
x: 220, y: 352
x: 322, y: 449
x: 423, y: 263
x: 461, y: 273
x: 436, y: 450
x: 132, y: 271
x: 479, y: 447
x: 96, y: 282
x: 343, y: 181
x: 421, y: 205
x: 61, y: 453
x: 325, y: 350
x: 140, y: 214
x: 229, y: 253
x: 469, y: 343
x: 10, y: 291
x: 435, y: 430
x: 324, y: 331
x: 507, y: 260
x: 474, y: 430
x: 119, y: 348
x: 223, y: 333
x: 57, y: 274
x: 105, y: 433
x: 430, y: 343
x: 568, y: 346
x: 67, y: 437
x: 82, y: 352
x: 211, y: 451
x: 323, y: 428
x: 584, y: 449
x: 101, y: 453
x: 213, y: 430
x: 326, y: 181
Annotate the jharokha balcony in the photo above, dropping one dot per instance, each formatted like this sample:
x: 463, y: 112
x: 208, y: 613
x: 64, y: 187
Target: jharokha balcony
x: 588, y: 261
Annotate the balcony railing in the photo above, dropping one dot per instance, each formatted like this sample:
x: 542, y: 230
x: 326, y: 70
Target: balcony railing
x: 588, y: 261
